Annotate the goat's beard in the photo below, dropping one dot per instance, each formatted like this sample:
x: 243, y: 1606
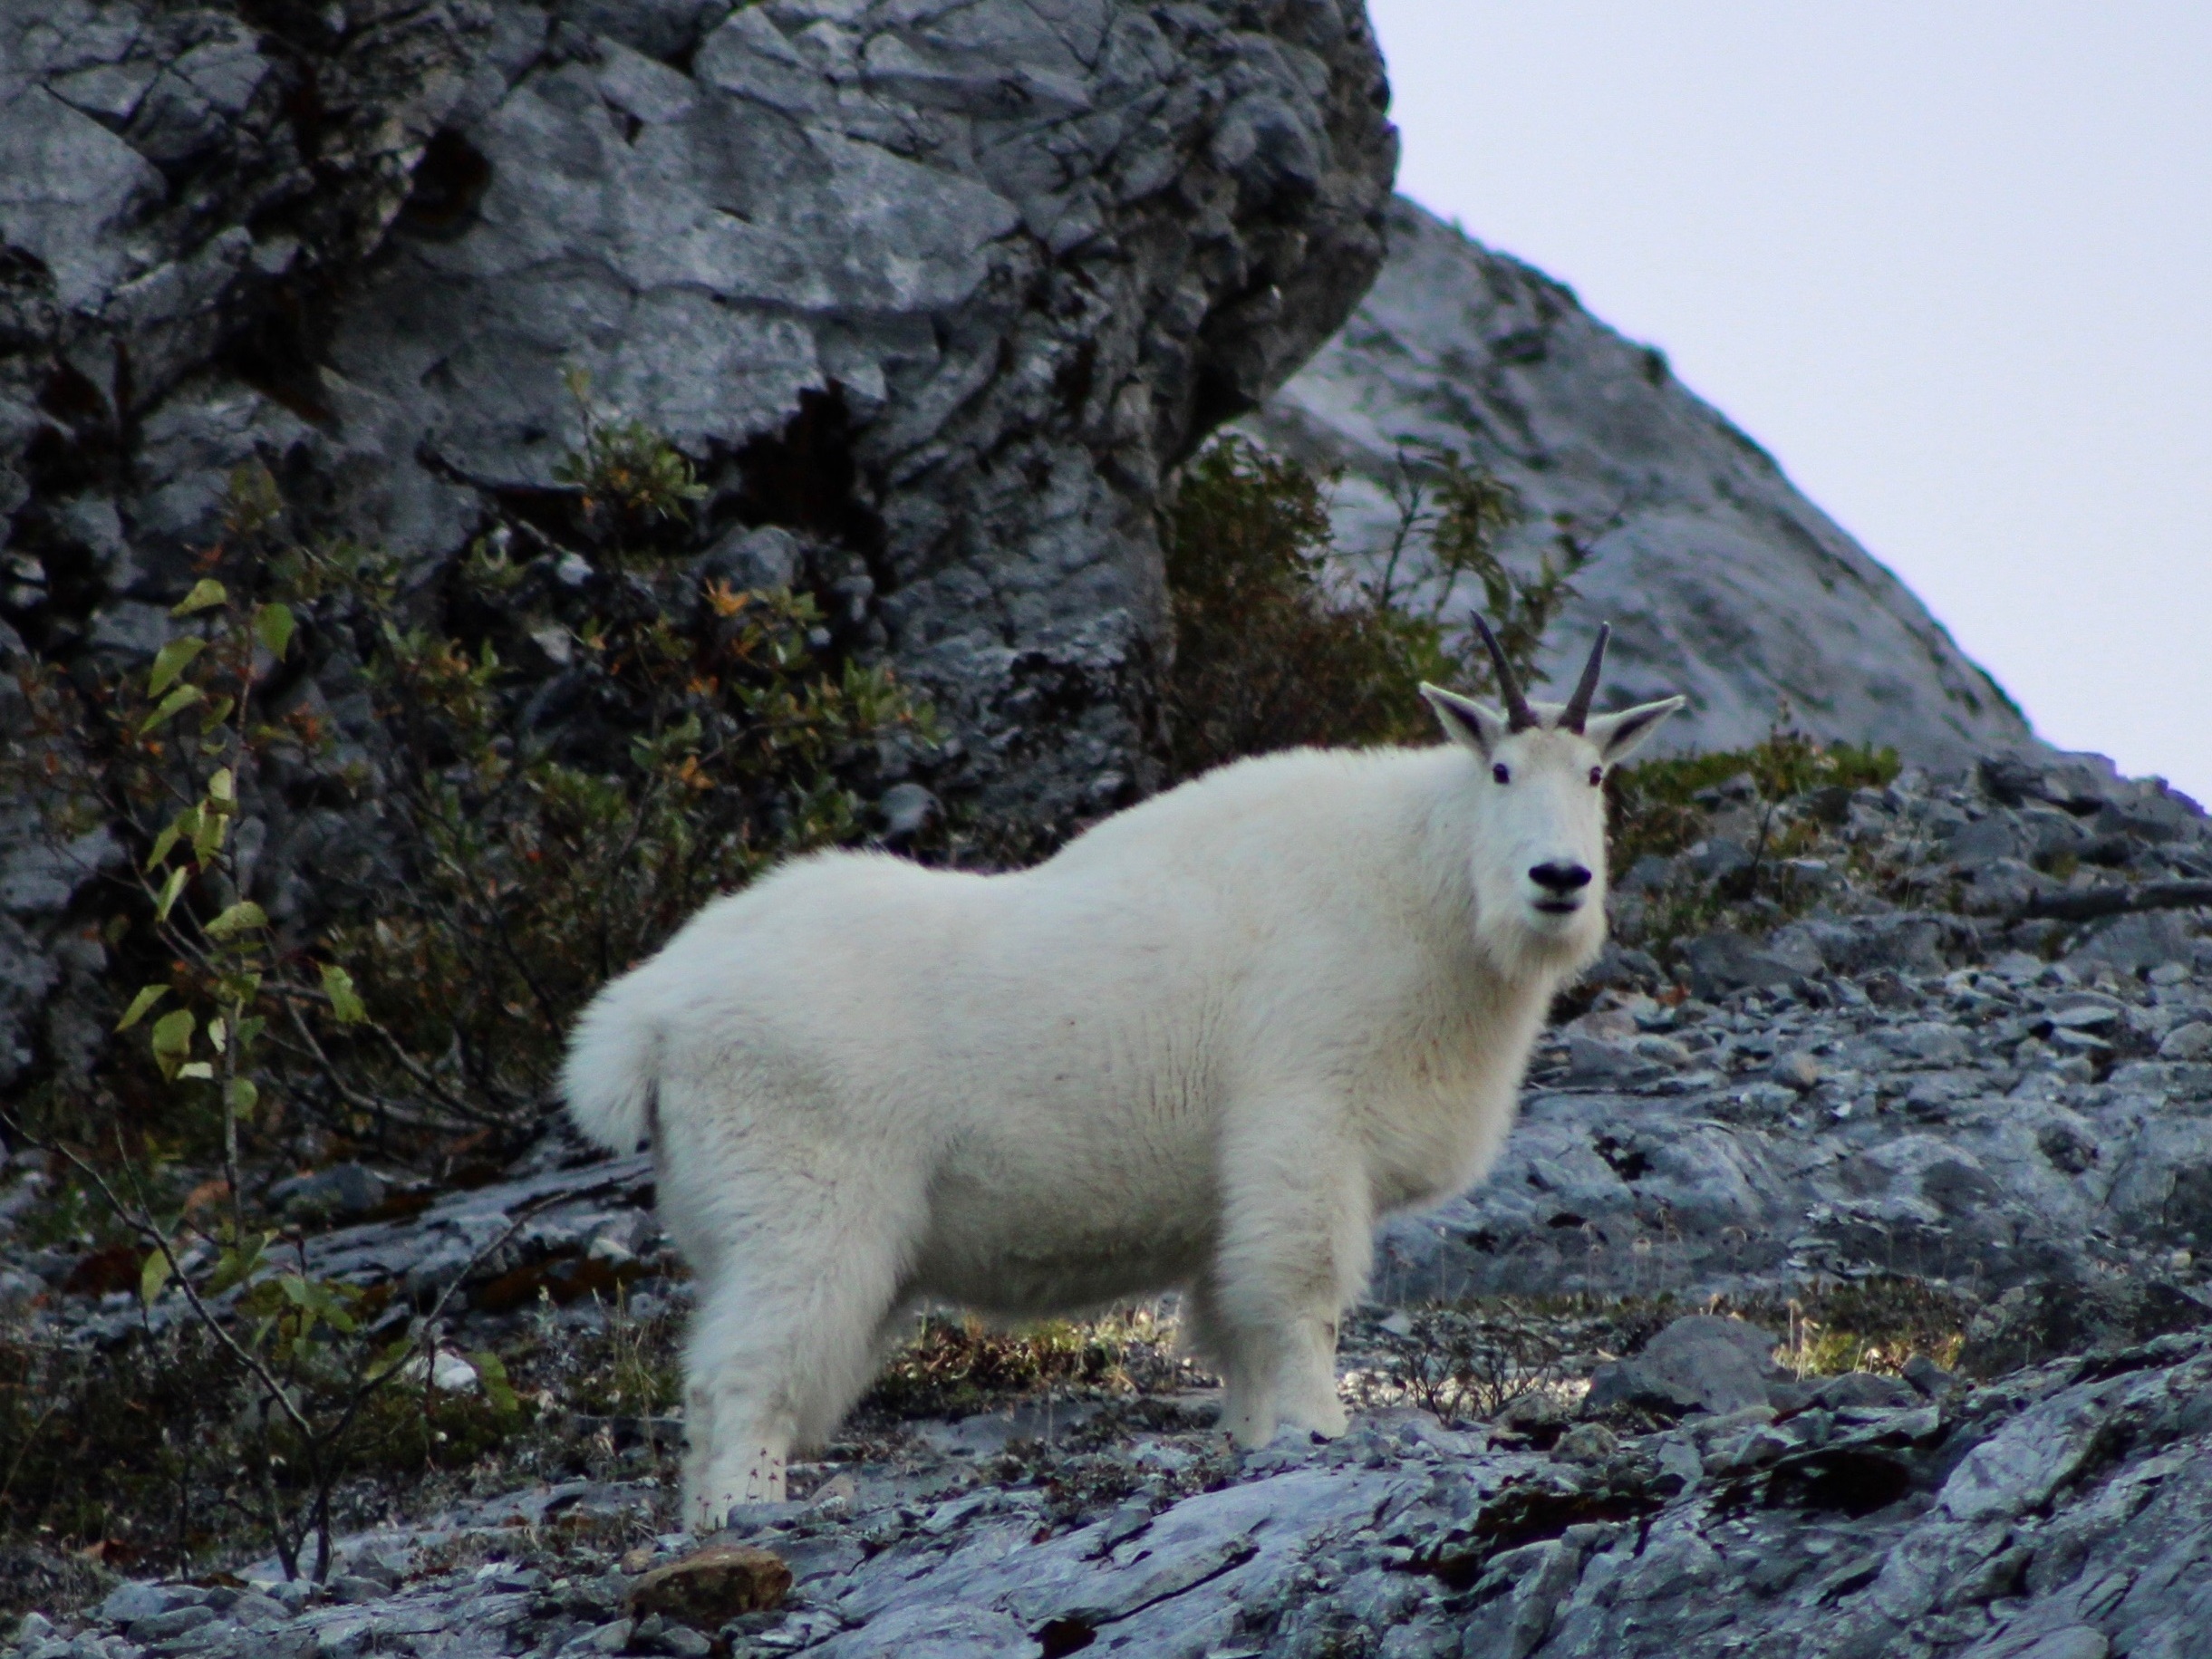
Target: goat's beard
x: 1522, y: 946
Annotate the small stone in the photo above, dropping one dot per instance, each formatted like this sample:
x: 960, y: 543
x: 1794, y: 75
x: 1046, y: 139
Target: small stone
x: 1797, y: 1069
x: 2189, y: 1042
x: 450, y: 1374
x: 161, y: 1626
x: 1587, y: 1443
x: 128, y: 1604
x: 610, y: 1638
x: 2181, y: 1262
x: 834, y: 1495
x: 710, y: 1586
x: 907, y: 809
x: 1926, y: 1375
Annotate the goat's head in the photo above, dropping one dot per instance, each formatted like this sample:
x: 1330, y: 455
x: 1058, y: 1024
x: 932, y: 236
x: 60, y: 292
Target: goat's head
x: 1538, y: 842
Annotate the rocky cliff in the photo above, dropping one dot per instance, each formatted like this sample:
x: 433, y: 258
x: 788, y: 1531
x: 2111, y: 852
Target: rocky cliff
x: 930, y: 294
x: 941, y: 287
x: 1719, y: 578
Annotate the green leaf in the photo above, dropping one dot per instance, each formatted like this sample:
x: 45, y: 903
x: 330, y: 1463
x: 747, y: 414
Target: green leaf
x: 169, y: 890
x: 182, y: 698
x: 171, y: 661
x: 223, y: 787
x: 172, y: 1040
x: 152, y: 1276
x: 196, y: 1071
x: 498, y: 1388
x: 394, y: 1354
x: 206, y: 592
x: 140, y: 1005
x: 185, y: 822
x: 208, y: 836
x: 242, y: 1095
x: 238, y: 1263
x: 217, y: 712
x: 345, y: 1003
x: 239, y: 917
x: 273, y: 626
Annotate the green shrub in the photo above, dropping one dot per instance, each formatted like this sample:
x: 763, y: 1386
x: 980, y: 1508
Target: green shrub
x: 572, y: 744
x: 1282, y: 639
x: 563, y: 746
x: 1794, y: 791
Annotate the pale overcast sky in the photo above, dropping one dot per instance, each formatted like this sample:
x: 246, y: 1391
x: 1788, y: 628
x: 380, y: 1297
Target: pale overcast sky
x: 1950, y: 262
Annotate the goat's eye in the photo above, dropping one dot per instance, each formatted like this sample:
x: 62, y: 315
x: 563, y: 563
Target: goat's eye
x: 1596, y: 776
x: 1500, y: 774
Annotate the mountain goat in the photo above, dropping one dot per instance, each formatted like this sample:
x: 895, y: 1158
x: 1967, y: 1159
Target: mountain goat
x: 1204, y: 1047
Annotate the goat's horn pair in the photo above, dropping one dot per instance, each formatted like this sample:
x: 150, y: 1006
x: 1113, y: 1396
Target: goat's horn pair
x: 1519, y: 715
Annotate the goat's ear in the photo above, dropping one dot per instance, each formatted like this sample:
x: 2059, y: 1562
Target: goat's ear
x: 1618, y: 736
x: 1465, y: 721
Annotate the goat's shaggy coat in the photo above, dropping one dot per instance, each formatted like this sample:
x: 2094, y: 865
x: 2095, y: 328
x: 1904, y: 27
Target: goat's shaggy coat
x: 1204, y: 1047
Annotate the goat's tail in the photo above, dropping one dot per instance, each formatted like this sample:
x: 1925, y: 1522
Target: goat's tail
x: 611, y: 1078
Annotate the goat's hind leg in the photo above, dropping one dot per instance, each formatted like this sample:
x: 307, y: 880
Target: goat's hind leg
x: 782, y: 1344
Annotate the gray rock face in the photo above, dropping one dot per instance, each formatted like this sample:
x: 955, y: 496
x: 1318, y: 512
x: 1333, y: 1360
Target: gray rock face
x: 932, y: 293
x: 943, y: 286
x: 1720, y: 580
x: 1954, y: 1094
x: 2059, y: 1514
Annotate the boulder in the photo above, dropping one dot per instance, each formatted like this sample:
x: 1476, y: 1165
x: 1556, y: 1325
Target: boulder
x: 1698, y: 1364
x: 708, y: 1587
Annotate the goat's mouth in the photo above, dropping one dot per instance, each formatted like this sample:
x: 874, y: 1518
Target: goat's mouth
x: 1559, y: 907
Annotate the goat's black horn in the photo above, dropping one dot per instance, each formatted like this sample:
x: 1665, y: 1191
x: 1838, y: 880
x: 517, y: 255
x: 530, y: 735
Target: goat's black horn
x: 1519, y: 715
x: 1576, y: 711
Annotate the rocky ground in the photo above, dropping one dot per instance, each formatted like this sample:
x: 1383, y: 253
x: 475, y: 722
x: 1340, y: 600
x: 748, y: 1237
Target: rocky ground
x: 1839, y: 1293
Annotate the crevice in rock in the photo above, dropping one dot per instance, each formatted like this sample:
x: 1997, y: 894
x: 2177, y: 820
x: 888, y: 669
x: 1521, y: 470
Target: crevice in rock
x: 806, y: 478
x: 449, y: 183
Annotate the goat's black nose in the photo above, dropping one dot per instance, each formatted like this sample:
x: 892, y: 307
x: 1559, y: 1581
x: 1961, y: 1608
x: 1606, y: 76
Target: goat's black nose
x: 1560, y: 878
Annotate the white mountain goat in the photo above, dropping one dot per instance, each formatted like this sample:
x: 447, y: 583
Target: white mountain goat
x: 1204, y: 1047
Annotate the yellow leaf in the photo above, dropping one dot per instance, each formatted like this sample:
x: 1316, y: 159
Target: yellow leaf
x: 152, y: 1276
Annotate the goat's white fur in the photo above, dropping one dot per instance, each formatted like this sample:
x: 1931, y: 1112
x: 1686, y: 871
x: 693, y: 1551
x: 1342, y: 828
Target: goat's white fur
x: 1204, y: 1047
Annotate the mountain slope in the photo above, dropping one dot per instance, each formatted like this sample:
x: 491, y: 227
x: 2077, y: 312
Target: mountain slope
x: 1720, y: 579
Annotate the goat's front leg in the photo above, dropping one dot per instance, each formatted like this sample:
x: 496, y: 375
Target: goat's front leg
x: 1294, y: 1252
